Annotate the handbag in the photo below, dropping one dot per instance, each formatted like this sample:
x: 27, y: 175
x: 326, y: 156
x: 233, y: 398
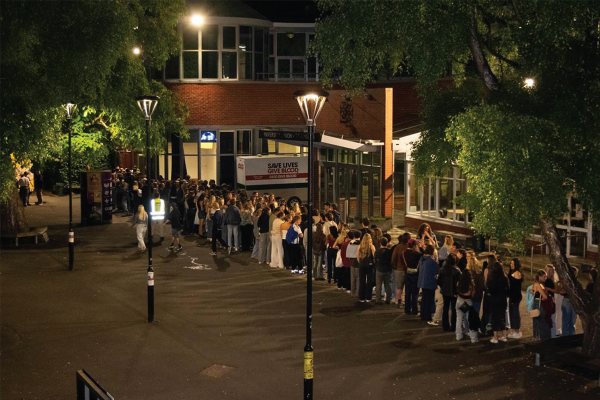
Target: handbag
x: 338, y: 260
x: 464, y: 307
x: 536, y: 311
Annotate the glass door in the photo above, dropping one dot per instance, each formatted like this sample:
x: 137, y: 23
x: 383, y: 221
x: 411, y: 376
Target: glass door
x: 365, y: 191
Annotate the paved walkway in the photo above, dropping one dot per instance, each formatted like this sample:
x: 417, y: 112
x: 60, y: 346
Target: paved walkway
x: 229, y: 311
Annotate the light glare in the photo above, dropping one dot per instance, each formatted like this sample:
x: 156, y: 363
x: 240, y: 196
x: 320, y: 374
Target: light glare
x: 197, y: 19
x: 529, y: 82
x: 136, y: 51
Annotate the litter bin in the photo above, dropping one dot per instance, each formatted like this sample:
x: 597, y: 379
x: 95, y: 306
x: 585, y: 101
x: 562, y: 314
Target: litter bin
x: 58, y: 189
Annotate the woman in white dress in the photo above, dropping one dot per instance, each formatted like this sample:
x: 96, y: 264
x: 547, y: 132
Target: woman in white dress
x: 140, y: 221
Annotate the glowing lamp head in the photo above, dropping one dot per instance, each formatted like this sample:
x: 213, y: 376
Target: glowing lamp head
x: 197, y: 19
x: 70, y: 109
x: 147, y: 105
x: 136, y: 50
x: 529, y: 82
x: 311, y: 103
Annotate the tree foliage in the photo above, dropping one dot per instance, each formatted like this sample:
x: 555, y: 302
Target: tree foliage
x: 474, y: 118
x: 524, y: 150
x: 55, y: 52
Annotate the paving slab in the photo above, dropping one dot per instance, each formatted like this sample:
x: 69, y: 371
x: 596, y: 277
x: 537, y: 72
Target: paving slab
x: 230, y: 329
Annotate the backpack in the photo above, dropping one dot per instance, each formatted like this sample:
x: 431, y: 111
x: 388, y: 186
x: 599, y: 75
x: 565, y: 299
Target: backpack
x: 291, y: 235
x: 318, y: 244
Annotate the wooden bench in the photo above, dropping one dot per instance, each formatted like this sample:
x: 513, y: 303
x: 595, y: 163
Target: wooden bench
x: 33, y: 232
x: 563, y: 349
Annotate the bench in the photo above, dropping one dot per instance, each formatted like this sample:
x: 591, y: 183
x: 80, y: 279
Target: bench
x: 33, y: 232
x: 563, y: 349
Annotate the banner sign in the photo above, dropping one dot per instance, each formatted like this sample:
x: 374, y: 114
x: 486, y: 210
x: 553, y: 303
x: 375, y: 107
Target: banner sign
x: 287, y: 135
x: 107, y: 196
x: 258, y: 171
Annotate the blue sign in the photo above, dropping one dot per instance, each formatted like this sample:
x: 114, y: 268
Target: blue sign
x: 208, y: 136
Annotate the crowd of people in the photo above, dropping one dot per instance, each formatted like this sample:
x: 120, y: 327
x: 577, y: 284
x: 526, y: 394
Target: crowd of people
x: 444, y: 285
x: 28, y: 183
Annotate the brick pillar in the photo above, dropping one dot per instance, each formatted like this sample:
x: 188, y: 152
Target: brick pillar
x: 387, y: 190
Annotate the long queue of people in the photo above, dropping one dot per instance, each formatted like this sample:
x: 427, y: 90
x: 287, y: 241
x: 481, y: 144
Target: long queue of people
x: 444, y: 285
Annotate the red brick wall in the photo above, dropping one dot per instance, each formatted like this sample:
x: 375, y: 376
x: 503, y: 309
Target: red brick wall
x: 274, y: 104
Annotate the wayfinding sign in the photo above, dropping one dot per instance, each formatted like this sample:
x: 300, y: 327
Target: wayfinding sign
x: 299, y: 136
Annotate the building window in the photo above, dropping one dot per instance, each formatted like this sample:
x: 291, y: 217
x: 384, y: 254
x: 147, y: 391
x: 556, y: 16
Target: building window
x: 366, y: 158
x: 246, y: 52
x: 285, y: 148
x: 376, y: 158
x: 269, y: 146
x: 243, y: 142
x: 435, y: 199
x: 210, y: 52
x: 190, y: 53
x: 259, y: 58
x: 229, y: 54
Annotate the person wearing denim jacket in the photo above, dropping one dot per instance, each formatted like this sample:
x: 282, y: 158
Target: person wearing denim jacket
x: 427, y: 282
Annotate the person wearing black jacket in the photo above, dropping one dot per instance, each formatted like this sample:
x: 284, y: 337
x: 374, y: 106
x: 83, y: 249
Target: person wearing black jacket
x: 264, y: 236
x: 447, y: 281
x: 411, y: 289
x: 217, y: 235
x: 175, y: 219
x: 383, y: 272
x: 497, y: 285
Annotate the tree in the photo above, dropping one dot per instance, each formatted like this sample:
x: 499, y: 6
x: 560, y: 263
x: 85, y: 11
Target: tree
x: 525, y: 150
x: 54, y: 52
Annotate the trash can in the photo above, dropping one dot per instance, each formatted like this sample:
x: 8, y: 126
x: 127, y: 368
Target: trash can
x: 58, y: 189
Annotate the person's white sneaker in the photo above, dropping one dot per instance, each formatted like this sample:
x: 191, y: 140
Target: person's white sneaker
x: 235, y: 249
x: 494, y: 341
x: 433, y: 323
x: 515, y: 335
x: 503, y: 339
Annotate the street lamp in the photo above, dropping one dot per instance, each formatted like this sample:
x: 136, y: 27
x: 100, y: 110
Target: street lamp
x: 70, y: 110
x: 311, y: 103
x: 147, y: 105
x: 136, y: 51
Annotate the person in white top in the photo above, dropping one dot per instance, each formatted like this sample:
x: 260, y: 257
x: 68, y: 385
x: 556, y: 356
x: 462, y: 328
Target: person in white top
x: 328, y: 223
x: 276, y: 245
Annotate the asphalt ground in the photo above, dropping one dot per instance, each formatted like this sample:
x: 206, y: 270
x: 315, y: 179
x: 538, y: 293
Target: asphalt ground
x: 226, y: 327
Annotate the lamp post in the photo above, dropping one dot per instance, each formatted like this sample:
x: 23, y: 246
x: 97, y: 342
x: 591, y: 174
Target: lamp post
x: 147, y: 105
x: 311, y: 103
x: 70, y: 110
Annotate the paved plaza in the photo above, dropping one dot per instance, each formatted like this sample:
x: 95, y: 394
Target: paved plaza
x: 226, y: 327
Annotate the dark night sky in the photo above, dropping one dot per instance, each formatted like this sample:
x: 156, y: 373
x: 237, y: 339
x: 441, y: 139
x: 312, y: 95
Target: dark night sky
x: 285, y: 10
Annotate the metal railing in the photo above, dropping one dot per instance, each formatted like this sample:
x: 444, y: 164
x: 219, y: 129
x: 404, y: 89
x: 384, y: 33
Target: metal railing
x: 89, y: 389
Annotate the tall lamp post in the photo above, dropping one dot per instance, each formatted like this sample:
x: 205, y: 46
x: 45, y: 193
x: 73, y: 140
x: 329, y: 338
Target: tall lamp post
x: 311, y: 103
x: 70, y: 110
x: 147, y: 105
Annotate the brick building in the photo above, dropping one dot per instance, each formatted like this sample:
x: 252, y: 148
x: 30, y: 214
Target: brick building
x: 237, y: 72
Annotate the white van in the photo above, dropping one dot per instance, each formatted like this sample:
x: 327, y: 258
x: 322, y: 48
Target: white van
x: 284, y: 176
